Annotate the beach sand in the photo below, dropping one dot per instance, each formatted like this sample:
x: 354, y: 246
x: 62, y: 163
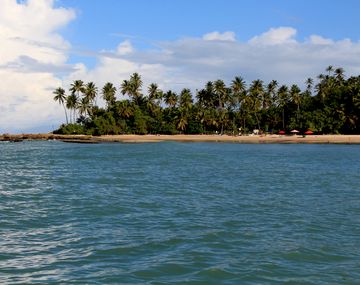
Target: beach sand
x: 322, y: 139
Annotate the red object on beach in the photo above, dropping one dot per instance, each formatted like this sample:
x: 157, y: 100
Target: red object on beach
x: 308, y: 132
x: 281, y: 133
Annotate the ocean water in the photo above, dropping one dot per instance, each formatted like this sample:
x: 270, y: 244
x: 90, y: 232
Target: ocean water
x: 179, y: 213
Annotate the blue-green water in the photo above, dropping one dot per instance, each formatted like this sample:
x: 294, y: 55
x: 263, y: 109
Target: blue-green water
x: 179, y: 213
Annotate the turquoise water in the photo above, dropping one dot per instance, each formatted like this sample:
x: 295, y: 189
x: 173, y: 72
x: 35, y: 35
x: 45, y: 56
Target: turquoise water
x: 179, y: 213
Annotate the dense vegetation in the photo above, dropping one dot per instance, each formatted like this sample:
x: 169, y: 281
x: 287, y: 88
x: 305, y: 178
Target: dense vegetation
x: 330, y: 106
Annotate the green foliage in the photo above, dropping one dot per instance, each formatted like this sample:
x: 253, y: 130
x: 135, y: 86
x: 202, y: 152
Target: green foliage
x: 70, y: 129
x: 332, y: 105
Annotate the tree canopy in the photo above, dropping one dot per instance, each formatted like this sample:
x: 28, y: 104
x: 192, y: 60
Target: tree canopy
x: 329, y: 106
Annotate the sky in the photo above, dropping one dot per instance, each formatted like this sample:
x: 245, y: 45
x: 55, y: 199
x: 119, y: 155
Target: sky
x: 47, y: 44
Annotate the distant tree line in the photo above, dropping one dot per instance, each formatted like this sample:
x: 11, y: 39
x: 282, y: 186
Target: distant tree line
x: 332, y: 105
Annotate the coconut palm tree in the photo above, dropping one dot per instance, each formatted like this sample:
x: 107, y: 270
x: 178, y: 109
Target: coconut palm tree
x: 309, y: 85
x: 108, y: 92
x: 132, y: 87
x: 171, y: 99
x: 61, y: 98
x: 185, y: 99
x: 77, y: 87
x: 84, y: 107
x: 71, y: 104
x: 91, y: 92
x: 238, y: 88
x: 283, y: 96
x: 339, y: 74
x: 256, y: 94
x: 329, y: 69
x: 221, y: 91
x: 295, y: 95
x: 125, y: 109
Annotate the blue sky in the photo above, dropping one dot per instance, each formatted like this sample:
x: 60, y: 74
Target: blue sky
x: 171, y: 19
x: 101, y: 24
x: 175, y: 43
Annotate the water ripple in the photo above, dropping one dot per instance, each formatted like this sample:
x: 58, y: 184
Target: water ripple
x: 179, y: 213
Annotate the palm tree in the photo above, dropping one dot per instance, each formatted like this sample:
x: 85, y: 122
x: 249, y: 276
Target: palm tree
x: 329, y: 69
x: 206, y: 97
x: 256, y: 93
x: 61, y: 98
x: 295, y: 95
x: 238, y: 88
x: 309, y: 84
x: 77, y: 87
x: 186, y: 100
x: 125, y: 109
x: 271, y: 91
x: 221, y: 92
x: 283, y: 95
x: 108, y: 92
x: 90, y: 92
x: 71, y: 104
x: 171, y: 99
x: 339, y: 74
x: 153, y: 92
x: 182, y: 122
x: 132, y: 87
x: 84, y: 107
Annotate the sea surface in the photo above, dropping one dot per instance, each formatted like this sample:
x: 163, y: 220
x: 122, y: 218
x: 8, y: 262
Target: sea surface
x: 179, y: 213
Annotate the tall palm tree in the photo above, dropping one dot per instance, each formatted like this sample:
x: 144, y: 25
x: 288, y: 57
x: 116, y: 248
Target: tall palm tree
x: 256, y: 93
x: 186, y: 99
x: 171, y: 99
x: 295, y: 95
x: 90, y: 92
x: 72, y: 104
x: 221, y: 92
x: 271, y: 90
x: 132, y: 87
x: 84, y: 107
x: 155, y: 96
x: 124, y: 109
x: 108, y: 92
x: 329, y: 69
x: 77, y: 87
x: 339, y: 74
x: 309, y: 85
x: 61, y: 98
x: 283, y: 95
x: 238, y: 88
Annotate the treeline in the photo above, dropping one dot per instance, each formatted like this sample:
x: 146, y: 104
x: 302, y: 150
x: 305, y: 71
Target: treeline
x: 332, y: 105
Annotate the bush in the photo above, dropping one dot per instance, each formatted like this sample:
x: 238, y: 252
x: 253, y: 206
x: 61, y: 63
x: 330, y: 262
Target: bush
x: 70, y: 129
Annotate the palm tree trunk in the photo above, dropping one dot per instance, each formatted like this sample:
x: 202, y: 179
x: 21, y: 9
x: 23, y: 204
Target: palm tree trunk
x: 257, y: 120
x: 298, y: 113
x: 283, y: 117
x: 67, y: 121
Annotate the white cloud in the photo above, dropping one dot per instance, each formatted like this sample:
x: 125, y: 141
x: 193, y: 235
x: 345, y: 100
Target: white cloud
x: 32, y: 52
x: 318, y: 40
x: 216, y: 36
x: 278, y: 36
x: 125, y: 48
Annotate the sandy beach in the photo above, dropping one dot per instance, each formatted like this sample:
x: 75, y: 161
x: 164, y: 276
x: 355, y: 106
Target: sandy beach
x: 312, y: 139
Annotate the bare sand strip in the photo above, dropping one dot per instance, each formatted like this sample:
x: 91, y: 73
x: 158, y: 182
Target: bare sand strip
x: 323, y: 139
x: 293, y: 139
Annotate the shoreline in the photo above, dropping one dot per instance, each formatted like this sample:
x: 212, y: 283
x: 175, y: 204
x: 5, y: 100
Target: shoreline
x: 257, y: 139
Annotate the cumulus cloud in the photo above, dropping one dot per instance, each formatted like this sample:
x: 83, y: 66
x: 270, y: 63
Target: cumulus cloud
x: 278, y: 36
x: 32, y: 54
x: 216, y: 36
x: 275, y: 54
